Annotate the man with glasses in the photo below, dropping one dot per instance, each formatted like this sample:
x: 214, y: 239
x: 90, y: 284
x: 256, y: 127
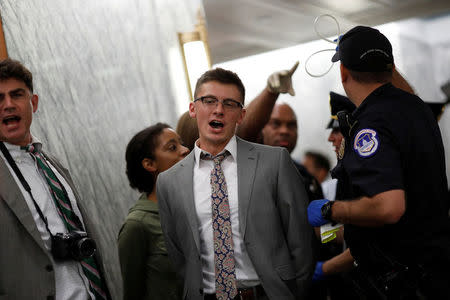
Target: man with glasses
x: 233, y: 213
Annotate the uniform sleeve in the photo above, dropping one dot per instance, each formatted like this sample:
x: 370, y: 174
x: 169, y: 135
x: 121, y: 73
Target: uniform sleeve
x: 375, y: 165
x: 133, y: 243
x: 292, y: 203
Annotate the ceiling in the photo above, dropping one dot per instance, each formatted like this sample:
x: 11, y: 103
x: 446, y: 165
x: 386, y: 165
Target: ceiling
x: 239, y: 28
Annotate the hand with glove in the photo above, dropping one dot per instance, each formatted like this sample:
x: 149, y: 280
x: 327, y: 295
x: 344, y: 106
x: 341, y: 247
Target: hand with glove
x: 316, y: 215
x: 281, y: 81
x: 318, y: 272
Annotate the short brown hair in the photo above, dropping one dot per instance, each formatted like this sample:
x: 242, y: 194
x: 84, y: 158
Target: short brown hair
x: 222, y: 76
x: 187, y: 129
x: 10, y: 68
x: 371, y: 77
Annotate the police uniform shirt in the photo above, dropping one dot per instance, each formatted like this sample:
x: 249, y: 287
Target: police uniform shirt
x: 396, y: 144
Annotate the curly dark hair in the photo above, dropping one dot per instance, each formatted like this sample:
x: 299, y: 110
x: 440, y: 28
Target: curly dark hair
x: 141, y: 146
x: 10, y: 68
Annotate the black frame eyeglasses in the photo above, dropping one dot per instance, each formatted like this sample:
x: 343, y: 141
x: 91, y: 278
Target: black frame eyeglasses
x: 211, y: 101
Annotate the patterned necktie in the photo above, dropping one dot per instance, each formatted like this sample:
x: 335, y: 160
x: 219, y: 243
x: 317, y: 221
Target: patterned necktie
x: 70, y: 219
x: 223, y: 238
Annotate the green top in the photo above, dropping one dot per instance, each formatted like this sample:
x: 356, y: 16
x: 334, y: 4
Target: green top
x: 146, y: 270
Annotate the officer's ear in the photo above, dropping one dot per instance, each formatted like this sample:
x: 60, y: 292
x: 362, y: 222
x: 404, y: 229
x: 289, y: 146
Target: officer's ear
x: 344, y: 73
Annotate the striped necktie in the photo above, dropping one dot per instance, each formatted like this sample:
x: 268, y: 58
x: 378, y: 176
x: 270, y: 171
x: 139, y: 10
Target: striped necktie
x: 224, y: 262
x: 70, y: 219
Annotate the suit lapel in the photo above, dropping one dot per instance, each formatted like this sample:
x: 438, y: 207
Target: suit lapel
x: 185, y: 178
x: 12, y: 195
x: 247, y: 160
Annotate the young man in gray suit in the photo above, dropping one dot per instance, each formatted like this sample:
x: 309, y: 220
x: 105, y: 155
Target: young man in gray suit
x: 43, y: 255
x: 234, y: 213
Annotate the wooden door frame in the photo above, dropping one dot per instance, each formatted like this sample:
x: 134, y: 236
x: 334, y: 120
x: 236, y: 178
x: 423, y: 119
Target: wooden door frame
x: 3, y: 50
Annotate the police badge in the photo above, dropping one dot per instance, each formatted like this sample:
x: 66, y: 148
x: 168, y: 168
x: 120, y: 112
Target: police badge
x: 366, y: 142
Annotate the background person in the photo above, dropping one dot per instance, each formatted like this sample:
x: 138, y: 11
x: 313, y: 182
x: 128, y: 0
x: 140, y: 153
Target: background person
x: 333, y: 190
x: 146, y: 270
x: 281, y: 130
x: 187, y: 129
x: 317, y: 165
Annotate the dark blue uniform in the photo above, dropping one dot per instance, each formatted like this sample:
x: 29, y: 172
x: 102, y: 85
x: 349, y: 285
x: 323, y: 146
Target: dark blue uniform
x: 394, y: 142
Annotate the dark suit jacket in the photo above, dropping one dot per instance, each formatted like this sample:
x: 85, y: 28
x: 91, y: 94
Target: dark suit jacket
x: 272, y: 220
x: 26, y: 270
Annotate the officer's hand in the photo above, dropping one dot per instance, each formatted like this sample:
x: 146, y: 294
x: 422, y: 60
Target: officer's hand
x: 281, y: 81
x: 315, y: 217
x: 318, y: 272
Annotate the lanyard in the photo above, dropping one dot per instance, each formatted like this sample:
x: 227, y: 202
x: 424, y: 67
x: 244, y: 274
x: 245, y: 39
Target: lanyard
x: 25, y: 184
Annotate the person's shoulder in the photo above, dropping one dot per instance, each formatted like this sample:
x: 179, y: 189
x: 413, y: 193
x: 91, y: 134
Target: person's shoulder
x: 302, y: 170
x: 142, y: 220
x: 403, y: 108
x: 53, y: 159
x: 135, y: 228
x: 189, y: 159
x: 390, y: 106
x: 395, y: 97
x: 259, y: 147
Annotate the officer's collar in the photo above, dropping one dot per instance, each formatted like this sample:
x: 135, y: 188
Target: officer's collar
x: 371, y: 98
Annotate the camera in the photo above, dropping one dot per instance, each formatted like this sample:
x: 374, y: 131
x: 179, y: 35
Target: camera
x: 73, y: 245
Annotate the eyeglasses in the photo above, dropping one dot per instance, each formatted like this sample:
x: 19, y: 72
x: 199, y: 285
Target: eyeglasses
x: 210, y: 102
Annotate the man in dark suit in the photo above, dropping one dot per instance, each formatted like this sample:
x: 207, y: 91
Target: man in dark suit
x: 39, y: 208
x: 233, y: 212
x: 281, y: 130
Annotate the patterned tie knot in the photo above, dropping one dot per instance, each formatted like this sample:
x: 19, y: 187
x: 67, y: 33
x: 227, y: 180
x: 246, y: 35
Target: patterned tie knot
x: 32, y: 148
x: 217, y: 159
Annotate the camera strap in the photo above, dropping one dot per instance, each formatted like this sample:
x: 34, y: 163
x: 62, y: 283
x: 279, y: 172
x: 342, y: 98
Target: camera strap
x: 24, y: 183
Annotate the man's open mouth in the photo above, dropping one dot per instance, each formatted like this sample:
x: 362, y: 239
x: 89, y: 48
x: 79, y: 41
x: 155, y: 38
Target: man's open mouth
x: 10, y: 120
x: 216, y: 124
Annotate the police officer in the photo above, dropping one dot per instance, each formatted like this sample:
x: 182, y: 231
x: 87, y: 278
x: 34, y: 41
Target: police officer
x: 329, y: 268
x: 338, y: 103
x: 396, y: 214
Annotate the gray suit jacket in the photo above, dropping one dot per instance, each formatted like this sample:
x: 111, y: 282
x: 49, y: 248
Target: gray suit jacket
x: 272, y: 220
x: 26, y: 270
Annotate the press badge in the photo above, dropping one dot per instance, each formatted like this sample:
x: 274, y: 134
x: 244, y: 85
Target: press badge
x: 366, y: 142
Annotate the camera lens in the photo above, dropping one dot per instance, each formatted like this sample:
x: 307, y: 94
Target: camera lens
x: 84, y: 248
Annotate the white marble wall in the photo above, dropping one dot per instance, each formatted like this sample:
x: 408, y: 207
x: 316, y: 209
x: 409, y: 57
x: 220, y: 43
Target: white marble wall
x: 103, y: 70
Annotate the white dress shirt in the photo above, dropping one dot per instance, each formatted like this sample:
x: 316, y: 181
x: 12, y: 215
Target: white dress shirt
x: 70, y: 281
x: 329, y: 188
x: 245, y: 272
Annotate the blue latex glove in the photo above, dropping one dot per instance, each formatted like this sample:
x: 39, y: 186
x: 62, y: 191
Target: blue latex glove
x: 318, y: 272
x: 315, y: 213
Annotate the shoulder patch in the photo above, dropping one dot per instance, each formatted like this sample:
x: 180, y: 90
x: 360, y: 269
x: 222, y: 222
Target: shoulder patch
x: 366, y: 142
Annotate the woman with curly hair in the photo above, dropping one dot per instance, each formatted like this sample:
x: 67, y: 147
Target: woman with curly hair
x: 146, y: 269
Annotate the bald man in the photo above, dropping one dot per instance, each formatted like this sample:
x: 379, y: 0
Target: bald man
x: 281, y: 131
